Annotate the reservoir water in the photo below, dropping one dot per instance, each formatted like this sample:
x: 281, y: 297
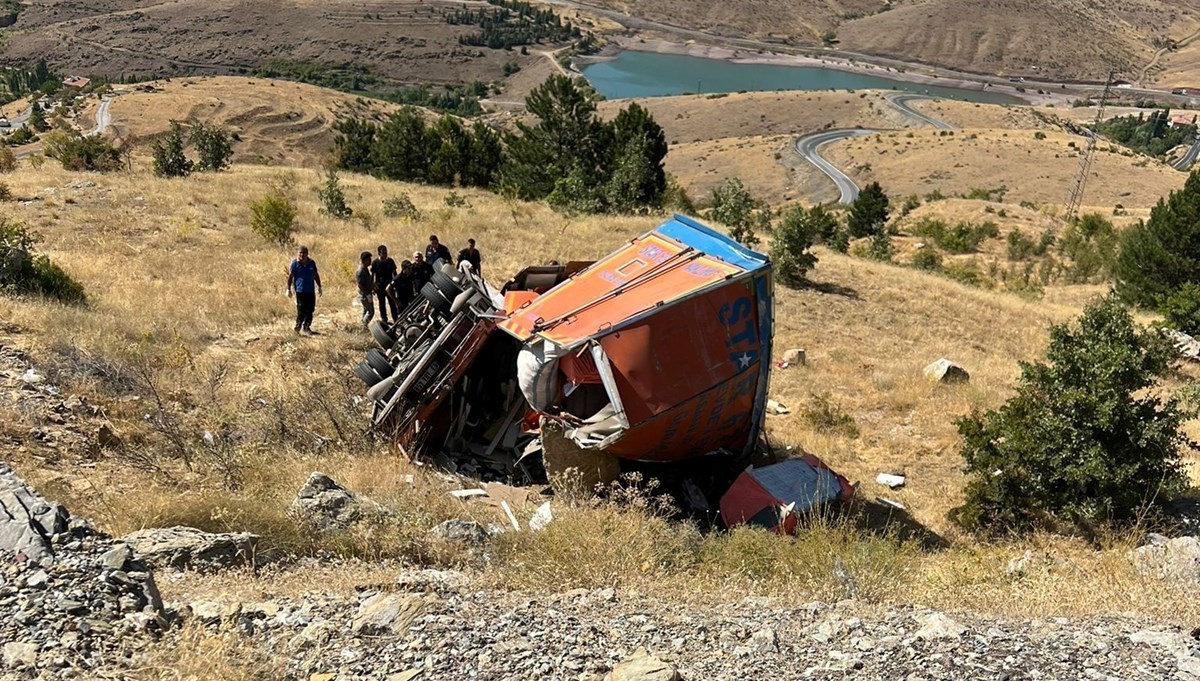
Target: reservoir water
x: 651, y: 74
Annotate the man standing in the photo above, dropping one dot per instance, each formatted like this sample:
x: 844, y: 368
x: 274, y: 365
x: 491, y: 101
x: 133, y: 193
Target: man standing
x: 384, y: 269
x: 401, y: 288
x: 422, y: 271
x: 471, y: 254
x: 304, y: 278
x: 436, y: 251
x: 366, y: 287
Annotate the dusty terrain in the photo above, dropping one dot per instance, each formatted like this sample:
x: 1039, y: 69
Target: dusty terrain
x: 401, y: 42
x: 1072, y: 40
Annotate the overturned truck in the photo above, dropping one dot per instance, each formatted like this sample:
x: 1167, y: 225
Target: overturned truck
x: 657, y: 353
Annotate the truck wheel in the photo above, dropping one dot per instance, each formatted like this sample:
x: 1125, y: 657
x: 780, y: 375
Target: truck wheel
x: 381, y: 335
x: 447, y: 286
x: 439, y: 302
x: 366, y: 374
x: 379, y: 362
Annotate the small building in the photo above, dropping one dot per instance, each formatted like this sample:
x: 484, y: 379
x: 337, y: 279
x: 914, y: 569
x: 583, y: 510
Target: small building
x: 78, y: 82
x: 1181, y: 120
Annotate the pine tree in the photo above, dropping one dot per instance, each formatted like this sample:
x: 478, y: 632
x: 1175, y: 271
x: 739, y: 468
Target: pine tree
x: 169, y: 159
x: 869, y: 212
x: 333, y: 199
x: 635, y: 125
x: 1159, y: 256
x: 403, y: 147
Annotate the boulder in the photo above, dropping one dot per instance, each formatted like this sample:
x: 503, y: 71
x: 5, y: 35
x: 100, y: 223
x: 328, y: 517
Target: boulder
x: 18, y: 654
x: 192, y: 549
x: 389, y: 614
x: 1164, y: 558
x: 937, y: 625
x: 329, y: 507
x: 27, y: 521
x: 466, y: 531
x: 945, y: 371
x: 642, y: 666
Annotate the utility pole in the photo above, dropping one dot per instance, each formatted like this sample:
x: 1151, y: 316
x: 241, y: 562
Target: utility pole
x: 1085, y: 161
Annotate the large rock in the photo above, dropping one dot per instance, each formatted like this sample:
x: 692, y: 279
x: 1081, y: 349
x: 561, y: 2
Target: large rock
x: 1164, y: 558
x: 193, y: 549
x: 945, y: 371
x: 466, y: 531
x: 642, y: 666
x: 937, y: 625
x: 389, y: 614
x: 328, y: 506
x: 27, y: 521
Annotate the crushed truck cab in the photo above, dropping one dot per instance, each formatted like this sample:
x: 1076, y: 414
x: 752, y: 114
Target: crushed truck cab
x: 658, y: 352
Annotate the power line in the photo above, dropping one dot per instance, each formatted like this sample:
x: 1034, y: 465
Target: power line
x: 1085, y: 162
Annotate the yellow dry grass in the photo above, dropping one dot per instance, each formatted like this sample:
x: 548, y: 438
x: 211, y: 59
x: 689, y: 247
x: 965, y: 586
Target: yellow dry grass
x: 1040, y: 171
x: 278, y: 122
x: 701, y: 167
x: 174, y: 274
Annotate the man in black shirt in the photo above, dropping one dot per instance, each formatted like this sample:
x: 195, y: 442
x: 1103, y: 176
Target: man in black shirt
x: 422, y: 271
x: 384, y: 269
x: 436, y: 251
x: 401, y: 287
x: 366, y: 287
x: 471, y: 254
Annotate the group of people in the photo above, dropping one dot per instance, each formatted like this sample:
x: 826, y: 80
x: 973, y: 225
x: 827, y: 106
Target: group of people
x: 379, y: 279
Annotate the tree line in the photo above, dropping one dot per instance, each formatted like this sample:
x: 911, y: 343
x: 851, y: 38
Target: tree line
x: 1152, y: 135
x: 513, y: 24
x: 569, y: 157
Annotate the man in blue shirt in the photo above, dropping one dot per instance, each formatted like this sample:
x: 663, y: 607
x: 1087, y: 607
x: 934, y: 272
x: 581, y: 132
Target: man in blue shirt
x: 304, y: 278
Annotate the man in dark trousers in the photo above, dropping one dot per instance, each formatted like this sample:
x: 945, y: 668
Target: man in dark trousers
x: 304, y: 278
x: 384, y: 269
x: 366, y: 287
x: 471, y: 254
x: 422, y: 271
x: 401, y: 287
x: 436, y: 251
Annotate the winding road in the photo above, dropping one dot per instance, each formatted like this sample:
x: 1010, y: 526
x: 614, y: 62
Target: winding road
x: 809, y: 146
x: 1189, y: 158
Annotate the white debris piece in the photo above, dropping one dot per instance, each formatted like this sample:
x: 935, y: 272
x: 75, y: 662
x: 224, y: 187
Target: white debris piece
x: 891, y: 504
x: 541, y: 517
x: 777, y: 409
x: 468, y: 493
x: 890, y: 480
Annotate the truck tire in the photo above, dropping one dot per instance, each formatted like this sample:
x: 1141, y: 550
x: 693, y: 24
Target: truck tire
x: 366, y: 374
x: 379, y: 362
x: 447, y: 286
x: 381, y: 335
x: 439, y: 302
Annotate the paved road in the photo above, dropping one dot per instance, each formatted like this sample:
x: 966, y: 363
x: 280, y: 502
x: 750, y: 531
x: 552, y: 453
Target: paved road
x: 900, y: 102
x: 103, y: 117
x: 808, y: 147
x: 1189, y: 158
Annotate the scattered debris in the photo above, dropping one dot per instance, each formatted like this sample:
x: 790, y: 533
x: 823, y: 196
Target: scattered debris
x: 511, y: 518
x: 775, y: 496
x: 891, y: 504
x: 795, y: 356
x: 468, y: 493
x: 892, y: 480
x: 777, y: 409
x: 541, y: 517
x: 187, y: 548
x: 1187, y: 346
x: 945, y: 371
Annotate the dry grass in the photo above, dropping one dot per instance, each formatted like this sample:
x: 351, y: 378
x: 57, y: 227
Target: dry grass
x: 278, y: 122
x: 198, y: 652
x: 178, y: 283
x: 1035, y: 170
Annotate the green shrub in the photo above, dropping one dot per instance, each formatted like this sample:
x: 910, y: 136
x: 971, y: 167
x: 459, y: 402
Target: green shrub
x: 333, y: 199
x: 825, y: 416
x: 1082, y: 442
x: 964, y: 237
x: 927, y: 259
x: 880, y: 248
x: 77, y: 152
x: 24, y: 271
x: 966, y: 273
x: 1091, y: 245
x: 400, y: 206
x: 911, y: 203
x: 215, y: 146
x: 1020, y: 246
x: 169, y: 159
x: 455, y: 200
x: 733, y: 206
x: 798, y: 231
x: 1181, y: 310
x: 273, y: 217
x: 8, y: 160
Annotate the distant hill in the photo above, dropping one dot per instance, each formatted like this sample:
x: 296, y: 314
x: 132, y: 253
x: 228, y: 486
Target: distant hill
x: 1059, y: 40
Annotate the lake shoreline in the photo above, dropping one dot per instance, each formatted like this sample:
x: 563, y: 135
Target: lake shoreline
x: 619, y: 44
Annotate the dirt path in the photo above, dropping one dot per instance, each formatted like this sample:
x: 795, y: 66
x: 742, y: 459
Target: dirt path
x: 1141, y: 79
